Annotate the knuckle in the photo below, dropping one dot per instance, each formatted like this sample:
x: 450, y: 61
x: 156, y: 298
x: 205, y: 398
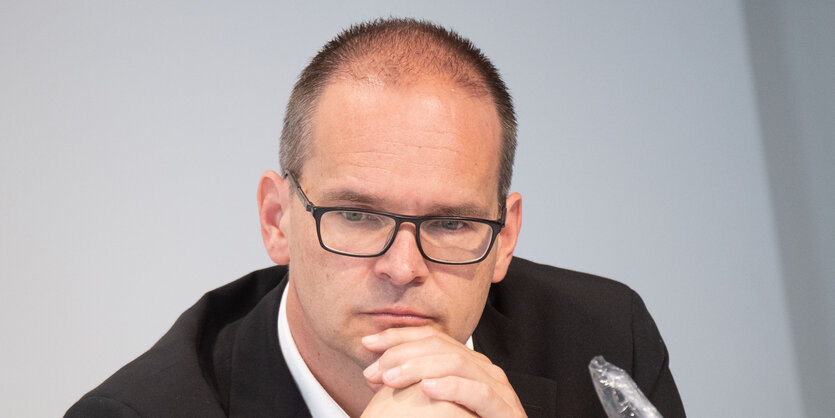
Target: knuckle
x: 386, y: 361
x: 483, y: 393
x: 435, y: 342
x: 497, y: 373
x: 453, y: 385
x: 482, y: 357
x: 457, y: 360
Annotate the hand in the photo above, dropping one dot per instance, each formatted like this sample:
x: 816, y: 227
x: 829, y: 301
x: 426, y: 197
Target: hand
x: 445, y: 369
x: 411, y: 402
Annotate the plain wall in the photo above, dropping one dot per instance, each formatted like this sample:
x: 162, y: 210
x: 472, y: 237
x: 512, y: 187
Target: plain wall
x: 793, y: 50
x: 133, y: 135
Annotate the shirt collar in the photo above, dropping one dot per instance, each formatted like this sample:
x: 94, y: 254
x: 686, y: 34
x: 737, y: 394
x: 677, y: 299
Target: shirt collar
x: 318, y: 401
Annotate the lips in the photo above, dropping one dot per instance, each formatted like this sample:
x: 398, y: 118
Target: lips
x: 398, y: 317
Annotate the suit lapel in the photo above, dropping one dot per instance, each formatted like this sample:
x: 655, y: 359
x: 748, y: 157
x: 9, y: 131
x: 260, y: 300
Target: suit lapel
x: 495, y: 336
x: 261, y: 383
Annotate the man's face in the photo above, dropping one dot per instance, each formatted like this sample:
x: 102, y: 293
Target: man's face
x: 426, y: 149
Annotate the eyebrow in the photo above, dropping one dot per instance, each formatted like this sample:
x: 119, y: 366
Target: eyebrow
x: 344, y: 196
x: 465, y: 210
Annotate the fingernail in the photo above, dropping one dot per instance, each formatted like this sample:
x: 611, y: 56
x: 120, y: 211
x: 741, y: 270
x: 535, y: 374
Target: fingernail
x: 370, y: 339
x: 392, y: 374
x: 371, y: 370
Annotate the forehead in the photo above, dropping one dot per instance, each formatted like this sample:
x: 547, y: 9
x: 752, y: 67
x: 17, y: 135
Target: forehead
x: 405, y: 140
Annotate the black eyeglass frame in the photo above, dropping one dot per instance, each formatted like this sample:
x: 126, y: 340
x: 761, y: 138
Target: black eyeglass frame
x: 318, y: 211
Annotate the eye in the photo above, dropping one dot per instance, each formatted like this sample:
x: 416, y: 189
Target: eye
x: 361, y: 219
x: 354, y: 216
x: 451, y: 225
x: 447, y: 226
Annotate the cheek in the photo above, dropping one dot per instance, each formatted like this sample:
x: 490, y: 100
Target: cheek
x: 465, y: 289
x: 327, y: 283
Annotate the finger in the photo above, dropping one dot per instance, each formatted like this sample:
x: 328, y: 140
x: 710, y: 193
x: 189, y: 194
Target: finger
x: 382, y: 341
x: 411, y: 402
x: 430, y: 345
x: 433, y: 356
x: 476, y: 396
x: 432, y: 366
x: 373, y: 374
x: 375, y: 387
x: 456, y: 354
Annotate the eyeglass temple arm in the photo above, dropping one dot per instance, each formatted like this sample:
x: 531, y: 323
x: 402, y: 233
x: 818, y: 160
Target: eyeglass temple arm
x: 308, y: 205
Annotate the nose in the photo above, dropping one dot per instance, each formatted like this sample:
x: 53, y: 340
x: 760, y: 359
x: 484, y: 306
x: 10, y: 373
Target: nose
x: 402, y: 263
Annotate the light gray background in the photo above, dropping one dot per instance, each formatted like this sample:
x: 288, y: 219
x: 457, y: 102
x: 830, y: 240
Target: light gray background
x: 684, y: 149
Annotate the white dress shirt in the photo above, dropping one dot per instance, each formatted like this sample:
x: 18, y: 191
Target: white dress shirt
x: 319, y: 402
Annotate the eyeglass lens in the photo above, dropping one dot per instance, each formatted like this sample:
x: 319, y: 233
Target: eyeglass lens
x: 442, y: 239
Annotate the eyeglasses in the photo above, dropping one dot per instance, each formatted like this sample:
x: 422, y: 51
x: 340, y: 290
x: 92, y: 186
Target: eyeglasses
x: 367, y: 233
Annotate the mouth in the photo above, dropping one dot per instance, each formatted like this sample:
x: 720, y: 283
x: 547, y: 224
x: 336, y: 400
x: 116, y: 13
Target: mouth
x: 398, y: 317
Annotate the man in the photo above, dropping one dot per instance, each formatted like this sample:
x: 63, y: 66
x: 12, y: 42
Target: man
x: 402, y: 294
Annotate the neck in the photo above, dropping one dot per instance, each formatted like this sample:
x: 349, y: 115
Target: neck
x: 339, y: 374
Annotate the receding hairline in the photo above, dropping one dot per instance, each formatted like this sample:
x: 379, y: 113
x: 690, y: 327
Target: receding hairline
x: 340, y: 90
x: 407, y: 84
x: 365, y: 72
x: 396, y: 52
x: 404, y: 58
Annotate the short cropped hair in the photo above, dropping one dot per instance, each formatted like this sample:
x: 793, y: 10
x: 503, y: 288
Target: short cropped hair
x: 394, y: 51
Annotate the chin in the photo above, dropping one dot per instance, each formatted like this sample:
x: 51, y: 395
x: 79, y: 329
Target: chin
x: 363, y: 358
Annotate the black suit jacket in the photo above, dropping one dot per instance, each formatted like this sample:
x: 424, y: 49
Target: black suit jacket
x: 541, y: 324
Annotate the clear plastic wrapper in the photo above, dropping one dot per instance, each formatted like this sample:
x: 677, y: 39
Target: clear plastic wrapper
x: 620, y: 396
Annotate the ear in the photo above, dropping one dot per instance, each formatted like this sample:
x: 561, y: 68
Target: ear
x: 273, y: 202
x: 506, y: 241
